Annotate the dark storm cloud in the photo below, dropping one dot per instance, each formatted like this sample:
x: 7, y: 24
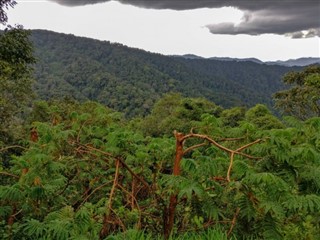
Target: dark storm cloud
x: 78, y: 2
x: 294, y: 18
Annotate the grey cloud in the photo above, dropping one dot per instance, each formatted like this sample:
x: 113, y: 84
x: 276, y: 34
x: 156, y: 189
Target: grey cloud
x: 291, y: 23
x: 295, y: 35
x: 285, y: 17
x: 313, y: 33
x: 193, y: 4
x: 77, y: 2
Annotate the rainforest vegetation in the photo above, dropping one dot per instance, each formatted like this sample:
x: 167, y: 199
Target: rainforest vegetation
x: 132, y: 80
x: 188, y: 168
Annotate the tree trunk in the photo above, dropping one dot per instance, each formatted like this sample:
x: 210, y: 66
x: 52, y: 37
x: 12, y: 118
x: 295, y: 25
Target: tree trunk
x: 170, y: 211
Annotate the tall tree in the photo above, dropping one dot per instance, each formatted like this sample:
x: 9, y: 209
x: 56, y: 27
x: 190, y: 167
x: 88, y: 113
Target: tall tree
x: 16, y: 57
x: 302, y: 100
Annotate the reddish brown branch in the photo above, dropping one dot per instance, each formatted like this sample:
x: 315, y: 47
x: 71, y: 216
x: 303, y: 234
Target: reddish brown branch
x: 93, y: 191
x: 230, y: 166
x: 170, y: 211
x: 115, y: 183
x: 135, y: 175
x: 180, y: 139
x: 238, y: 151
x: 247, y: 155
x: 248, y: 145
x: 233, y: 222
x: 135, y: 200
x: 104, y: 230
x: 208, y: 139
x: 194, y: 147
x: 122, y: 163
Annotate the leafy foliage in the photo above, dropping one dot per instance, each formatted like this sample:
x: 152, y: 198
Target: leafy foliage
x: 85, y: 172
x: 302, y: 99
x: 90, y: 174
x: 15, y: 71
x: 16, y: 57
x: 5, y: 4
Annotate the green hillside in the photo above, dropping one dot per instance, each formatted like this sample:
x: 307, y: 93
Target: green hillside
x: 131, y: 80
x: 189, y: 170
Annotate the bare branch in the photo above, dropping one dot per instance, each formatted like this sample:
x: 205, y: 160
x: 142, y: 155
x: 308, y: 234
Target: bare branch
x: 248, y: 145
x: 230, y: 139
x: 117, y: 159
x: 194, y: 147
x: 135, y: 200
x: 233, y: 222
x: 115, y: 183
x: 230, y: 166
x: 9, y: 174
x: 9, y: 147
x: 93, y: 191
x: 208, y: 139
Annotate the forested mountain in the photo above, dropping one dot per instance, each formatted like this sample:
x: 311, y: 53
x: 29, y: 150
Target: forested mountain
x: 188, y: 170
x: 131, y: 80
x: 297, y: 62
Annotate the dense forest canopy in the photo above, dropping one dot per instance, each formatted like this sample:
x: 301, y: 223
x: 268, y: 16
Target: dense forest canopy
x: 85, y: 172
x: 132, y: 80
x: 182, y: 168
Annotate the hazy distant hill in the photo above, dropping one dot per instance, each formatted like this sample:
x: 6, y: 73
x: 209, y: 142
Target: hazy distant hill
x: 289, y: 63
x: 192, y: 56
x: 131, y: 80
x: 297, y: 62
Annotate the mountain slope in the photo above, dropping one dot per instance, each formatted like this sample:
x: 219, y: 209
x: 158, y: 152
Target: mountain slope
x: 131, y: 80
x: 297, y: 62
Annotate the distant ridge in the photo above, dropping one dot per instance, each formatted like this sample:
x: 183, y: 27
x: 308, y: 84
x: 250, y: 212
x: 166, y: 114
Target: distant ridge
x: 188, y: 56
x: 296, y: 62
x: 300, y: 62
x: 255, y: 60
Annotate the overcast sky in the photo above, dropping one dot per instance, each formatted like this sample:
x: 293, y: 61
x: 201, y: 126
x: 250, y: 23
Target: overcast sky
x: 268, y: 30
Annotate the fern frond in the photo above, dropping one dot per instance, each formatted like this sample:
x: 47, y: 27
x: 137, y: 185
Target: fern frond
x: 308, y: 203
x: 5, y: 211
x: 271, y: 229
x: 82, y: 219
x: 211, y: 209
x: 11, y: 193
x: 314, y: 123
x: 189, y: 187
x: 34, y: 229
x: 37, y: 192
x: 247, y: 208
x: 240, y: 168
x: 59, y: 229
x: 267, y: 179
x: 65, y: 213
x: 293, y: 122
x: 188, y: 164
x: 273, y: 208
